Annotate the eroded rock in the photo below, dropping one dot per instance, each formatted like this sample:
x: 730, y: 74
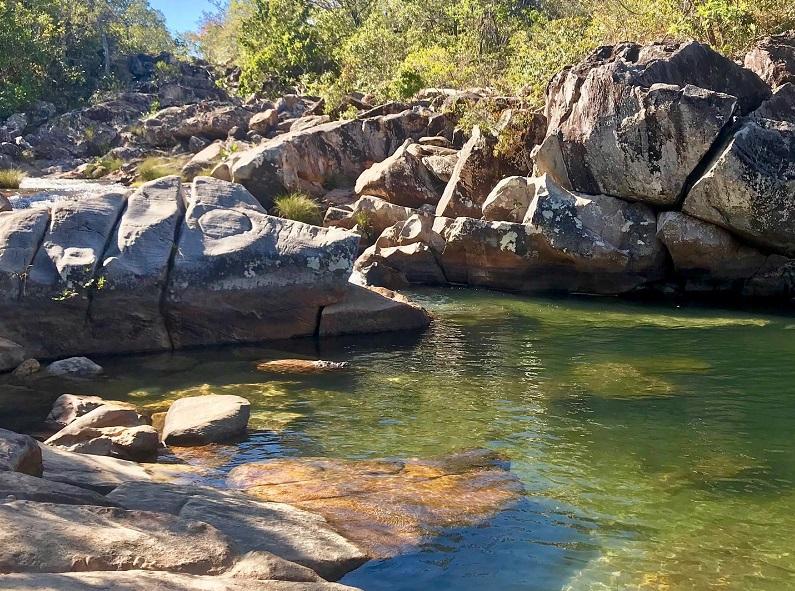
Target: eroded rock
x: 198, y: 420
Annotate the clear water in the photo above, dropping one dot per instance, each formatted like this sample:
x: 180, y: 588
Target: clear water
x: 655, y: 443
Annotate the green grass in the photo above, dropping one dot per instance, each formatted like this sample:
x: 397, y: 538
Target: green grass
x: 154, y: 168
x: 108, y: 164
x: 298, y: 207
x: 11, y: 178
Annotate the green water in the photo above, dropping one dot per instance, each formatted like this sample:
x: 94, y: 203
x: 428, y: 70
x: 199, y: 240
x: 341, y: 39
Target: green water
x: 655, y: 443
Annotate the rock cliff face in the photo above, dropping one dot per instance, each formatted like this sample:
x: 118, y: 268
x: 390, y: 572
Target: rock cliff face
x: 164, y: 267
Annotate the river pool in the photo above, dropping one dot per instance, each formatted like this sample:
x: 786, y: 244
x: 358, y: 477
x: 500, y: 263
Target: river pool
x: 655, y: 442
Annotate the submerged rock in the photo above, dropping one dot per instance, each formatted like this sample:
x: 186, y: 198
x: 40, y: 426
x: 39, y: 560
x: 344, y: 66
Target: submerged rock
x: 385, y: 506
x: 199, y: 420
x: 299, y: 366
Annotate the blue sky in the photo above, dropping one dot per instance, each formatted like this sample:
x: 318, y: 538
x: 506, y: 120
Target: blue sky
x: 182, y: 15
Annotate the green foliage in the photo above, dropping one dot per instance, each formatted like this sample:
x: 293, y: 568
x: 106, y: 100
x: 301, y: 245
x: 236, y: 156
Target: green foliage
x: 11, y: 178
x: 364, y: 222
x: 392, y: 48
x: 103, y: 166
x: 64, y: 51
x: 154, y: 168
x: 298, y: 207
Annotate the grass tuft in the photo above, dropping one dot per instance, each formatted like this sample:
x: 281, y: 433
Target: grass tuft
x: 154, y: 168
x: 11, y: 178
x: 298, y: 207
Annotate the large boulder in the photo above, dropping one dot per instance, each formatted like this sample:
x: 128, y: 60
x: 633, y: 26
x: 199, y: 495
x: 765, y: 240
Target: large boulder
x: 125, y: 309
x: 11, y: 355
x: 210, y: 120
x: 773, y: 59
x: 372, y: 310
x: 205, y: 159
x: 476, y: 172
x: 568, y: 242
x: 50, y: 297
x: 401, y: 179
x: 199, y: 420
x: 74, y: 367
x: 649, y: 112
x: 251, y: 525
x: 371, y: 214
x: 509, y: 200
x: 98, y: 473
x: 45, y: 537
x: 749, y: 188
x: 19, y: 453
x: 334, y: 153
x: 240, y: 275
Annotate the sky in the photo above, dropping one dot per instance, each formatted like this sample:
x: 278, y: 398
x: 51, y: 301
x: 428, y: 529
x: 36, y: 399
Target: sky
x: 181, y: 15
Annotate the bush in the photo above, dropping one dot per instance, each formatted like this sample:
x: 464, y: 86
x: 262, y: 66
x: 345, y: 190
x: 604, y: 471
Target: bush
x: 154, y: 168
x: 298, y: 207
x: 11, y: 178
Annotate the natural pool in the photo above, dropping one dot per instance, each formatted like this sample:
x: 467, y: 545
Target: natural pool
x: 655, y: 442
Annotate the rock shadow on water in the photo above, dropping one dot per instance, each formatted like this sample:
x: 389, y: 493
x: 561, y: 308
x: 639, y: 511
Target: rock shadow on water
x: 530, y: 546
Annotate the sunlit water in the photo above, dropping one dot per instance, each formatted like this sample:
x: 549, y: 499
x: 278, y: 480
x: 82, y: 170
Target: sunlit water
x: 655, y: 443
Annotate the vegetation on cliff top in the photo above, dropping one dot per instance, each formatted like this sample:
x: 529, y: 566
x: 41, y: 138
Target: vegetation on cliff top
x: 392, y: 48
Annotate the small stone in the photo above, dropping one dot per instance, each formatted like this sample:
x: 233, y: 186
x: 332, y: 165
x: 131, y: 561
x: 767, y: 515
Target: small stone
x: 26, y: 369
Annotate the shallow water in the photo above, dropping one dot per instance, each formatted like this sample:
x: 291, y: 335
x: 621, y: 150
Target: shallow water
x: 655, y: 443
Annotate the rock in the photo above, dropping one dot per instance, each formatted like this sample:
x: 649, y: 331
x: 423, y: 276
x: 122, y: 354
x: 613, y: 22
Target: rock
x: 26, y: 369
x: 773, y: 59
x: 266, y: 566
x: 308, y: 122
x: 51, y: 297
x: 68, y: 407
x: 11, y: 355
x: 15, y: 125
x: 749, y: 188
x: 386, y: 506
x: 401, y: 179
x: 207, y: 119
x: 203, y: 160
x: 200, y: 420
x: 376, y: 213
x: 701, y: 249
x: 22, y: 487
x: 126, y: 312
x: 509, y: 200
x: 231, y: 257
x: 74, y: 367
x: 19, y: 453
x: 336, y: 152
x: 98, y: 473
x: 441, y: 166
x: 301, y: 366
x: 264, y: 122
x: 292, y: 105
x: 372, y: 310
x: 37, y: 537
x: 568, y: 242
x: 407, y: 251
x: 197, y: 144
x: 474, y: 176
x: 135, y: 580
x: 5, y: 204
x: 651, y: 111
x: 438, y: 140
x: 251, y: 525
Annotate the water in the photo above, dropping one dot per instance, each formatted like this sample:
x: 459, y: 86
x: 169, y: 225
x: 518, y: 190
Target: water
x: 655, y: 443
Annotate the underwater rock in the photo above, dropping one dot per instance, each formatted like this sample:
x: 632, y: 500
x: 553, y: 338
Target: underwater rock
x: 386, y: 506
x: 301, y: 366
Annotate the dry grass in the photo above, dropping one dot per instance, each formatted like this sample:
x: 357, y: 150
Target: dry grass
x: 299, y: 207
x: 11, y: 178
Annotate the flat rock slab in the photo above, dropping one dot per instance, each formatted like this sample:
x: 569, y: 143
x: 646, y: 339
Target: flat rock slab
x: 386, y: 506
x: 151, y: 581
x: 199, y: 420
x: 98, y: 473
x: 19, y: 453
x: 292, y: 534
x: 45, y: 537
x: 22, y: 487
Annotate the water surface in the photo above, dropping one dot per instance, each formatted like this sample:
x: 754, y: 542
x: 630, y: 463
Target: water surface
x: 655, y: 442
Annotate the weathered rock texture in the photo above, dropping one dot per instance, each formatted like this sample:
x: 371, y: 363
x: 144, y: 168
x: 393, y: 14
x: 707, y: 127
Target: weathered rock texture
x: 773, y: 59
x: 19, y: 453
x: 198, y: 420
x: 163, y: 267
x: 635, y: 121
x: 313, y: 159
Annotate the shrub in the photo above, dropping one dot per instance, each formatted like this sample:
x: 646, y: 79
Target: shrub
x: 11, y: 178
x: 155, y: 168
x: 298, y: 207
